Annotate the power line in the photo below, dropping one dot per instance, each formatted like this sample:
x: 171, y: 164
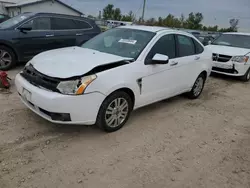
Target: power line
x: 139, y: 8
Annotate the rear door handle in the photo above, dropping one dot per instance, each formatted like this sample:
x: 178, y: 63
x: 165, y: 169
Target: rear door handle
x: 79, y: 34
x: 50, y: 35
x: 197, y: 58
x: 173, y: 63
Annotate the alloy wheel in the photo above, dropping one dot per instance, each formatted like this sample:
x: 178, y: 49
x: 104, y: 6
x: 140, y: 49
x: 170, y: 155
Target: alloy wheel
x: 117, y: 112
x: 5, y: 59
x: 198, y: 86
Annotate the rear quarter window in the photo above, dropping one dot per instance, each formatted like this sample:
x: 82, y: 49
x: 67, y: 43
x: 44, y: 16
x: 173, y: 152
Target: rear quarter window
x: 82, y: 24
x: 198, y: 48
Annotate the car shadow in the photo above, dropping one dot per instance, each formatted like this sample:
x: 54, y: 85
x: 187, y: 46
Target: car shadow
x: 225, y: 77
x: 76, y: 130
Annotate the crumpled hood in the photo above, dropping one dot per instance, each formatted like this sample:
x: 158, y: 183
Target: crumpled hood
x: 227, y: 50
x: 71, y: 61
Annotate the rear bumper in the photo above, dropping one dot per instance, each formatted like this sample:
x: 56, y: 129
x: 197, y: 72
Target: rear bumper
x: 58, y: 108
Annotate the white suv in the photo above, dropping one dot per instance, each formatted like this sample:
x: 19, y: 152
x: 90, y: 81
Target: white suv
x: 110, y: 75
x: 231, y: 53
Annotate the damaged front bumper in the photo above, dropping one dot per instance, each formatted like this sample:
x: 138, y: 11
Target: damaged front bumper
x: 59, y: 108
x: 230, y: 68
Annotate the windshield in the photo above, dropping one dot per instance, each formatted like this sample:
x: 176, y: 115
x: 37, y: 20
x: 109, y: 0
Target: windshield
x: 120, y: 41
x: 234, y: 40
x: 15, y: 20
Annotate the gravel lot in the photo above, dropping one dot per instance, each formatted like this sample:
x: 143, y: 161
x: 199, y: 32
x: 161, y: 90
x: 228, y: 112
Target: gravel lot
x: 176, y: 143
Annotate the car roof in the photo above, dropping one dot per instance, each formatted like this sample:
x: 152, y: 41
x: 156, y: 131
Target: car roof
x: 147, y: 28
x: 237, y: 33
x: 155, y: 29
x: 64, y: 15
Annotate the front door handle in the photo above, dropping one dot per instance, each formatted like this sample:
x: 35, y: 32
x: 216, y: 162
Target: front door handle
x: 50, y: 35
x: 197, y: 58
x: 173, y: 63
x: 79, y: 34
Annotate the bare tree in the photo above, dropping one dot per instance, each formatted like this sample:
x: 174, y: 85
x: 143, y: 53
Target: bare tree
x: 234, y: 24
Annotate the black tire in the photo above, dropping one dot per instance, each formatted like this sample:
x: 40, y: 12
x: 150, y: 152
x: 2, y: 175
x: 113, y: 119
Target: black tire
x: 193, y: 94
x: 246, y: 77
x: 101, y: 117
x: 10, y: 54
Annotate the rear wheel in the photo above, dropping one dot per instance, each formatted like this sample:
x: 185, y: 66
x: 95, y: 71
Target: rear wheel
x: 114, y: 111
x: 197, y: 87
x: 246, y: 77
x: 7, y: 58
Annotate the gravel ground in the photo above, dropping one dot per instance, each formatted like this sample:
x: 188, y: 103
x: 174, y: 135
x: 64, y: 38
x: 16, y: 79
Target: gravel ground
x: 177, y: 143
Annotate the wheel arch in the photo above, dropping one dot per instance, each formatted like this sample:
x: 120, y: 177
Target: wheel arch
x: 127, y: 90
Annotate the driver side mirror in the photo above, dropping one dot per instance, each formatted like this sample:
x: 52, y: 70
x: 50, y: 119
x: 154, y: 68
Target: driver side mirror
x: 159, y: 59
x: 26, y: 27
x: 23, y: 29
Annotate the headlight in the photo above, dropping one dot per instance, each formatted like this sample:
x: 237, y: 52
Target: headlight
x: 75, y: 87
x: 240, y: 59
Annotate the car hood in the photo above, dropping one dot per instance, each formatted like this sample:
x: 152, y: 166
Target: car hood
x: 71, y: 61
x: 227, y: 50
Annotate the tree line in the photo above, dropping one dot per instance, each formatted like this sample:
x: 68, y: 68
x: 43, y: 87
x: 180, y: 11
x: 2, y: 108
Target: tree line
x: 193, y: 21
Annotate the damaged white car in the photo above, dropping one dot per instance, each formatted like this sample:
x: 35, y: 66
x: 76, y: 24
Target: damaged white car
x: 231, y: 53
x: 110, y: 75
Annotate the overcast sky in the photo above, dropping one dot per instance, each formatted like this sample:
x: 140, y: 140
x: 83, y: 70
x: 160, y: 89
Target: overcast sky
x: 216, y: 12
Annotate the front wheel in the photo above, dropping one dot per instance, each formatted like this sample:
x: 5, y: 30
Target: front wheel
x: 114, y: 111
x: 246, y: 77
x: 197, y: 87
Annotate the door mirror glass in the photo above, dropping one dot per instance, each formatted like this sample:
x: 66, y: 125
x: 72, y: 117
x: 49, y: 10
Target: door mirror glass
x: 160, y: 59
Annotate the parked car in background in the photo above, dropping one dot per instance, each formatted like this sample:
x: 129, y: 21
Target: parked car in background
x: 205, y: 39
x: 3, y: 17
x: 231, y: 53
x: 26, y: 35
x: 122, y: 69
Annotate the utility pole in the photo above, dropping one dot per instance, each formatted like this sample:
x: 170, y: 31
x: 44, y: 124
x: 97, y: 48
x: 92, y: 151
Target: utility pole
x: 143, y: 10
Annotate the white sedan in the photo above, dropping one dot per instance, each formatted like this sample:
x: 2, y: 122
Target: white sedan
x: 122, y: 69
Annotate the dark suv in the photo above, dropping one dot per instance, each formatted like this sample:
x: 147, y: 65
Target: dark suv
x: 29, y: 34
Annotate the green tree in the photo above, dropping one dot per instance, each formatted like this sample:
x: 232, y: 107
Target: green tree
x: 160, y: 21
x: 151, y: 22
x: 194, y: 20
x: 117, y: 14
x: 171, y: 21
x: 128, y: 18
x: 212, y: 28
x: 108, y: 12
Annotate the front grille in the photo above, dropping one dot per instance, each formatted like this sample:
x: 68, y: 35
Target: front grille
x: 221, y: 58
x: 40, y: 80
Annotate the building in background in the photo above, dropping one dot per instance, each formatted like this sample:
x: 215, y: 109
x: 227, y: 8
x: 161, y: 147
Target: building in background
x: 3, y: 4
x: 50, y: 6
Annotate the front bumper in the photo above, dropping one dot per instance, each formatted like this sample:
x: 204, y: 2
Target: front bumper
x: 58, y: 108
x: 230, y: 68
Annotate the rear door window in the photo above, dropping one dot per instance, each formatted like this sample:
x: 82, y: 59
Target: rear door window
x: 186, y: 46
x: 82, y: 24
